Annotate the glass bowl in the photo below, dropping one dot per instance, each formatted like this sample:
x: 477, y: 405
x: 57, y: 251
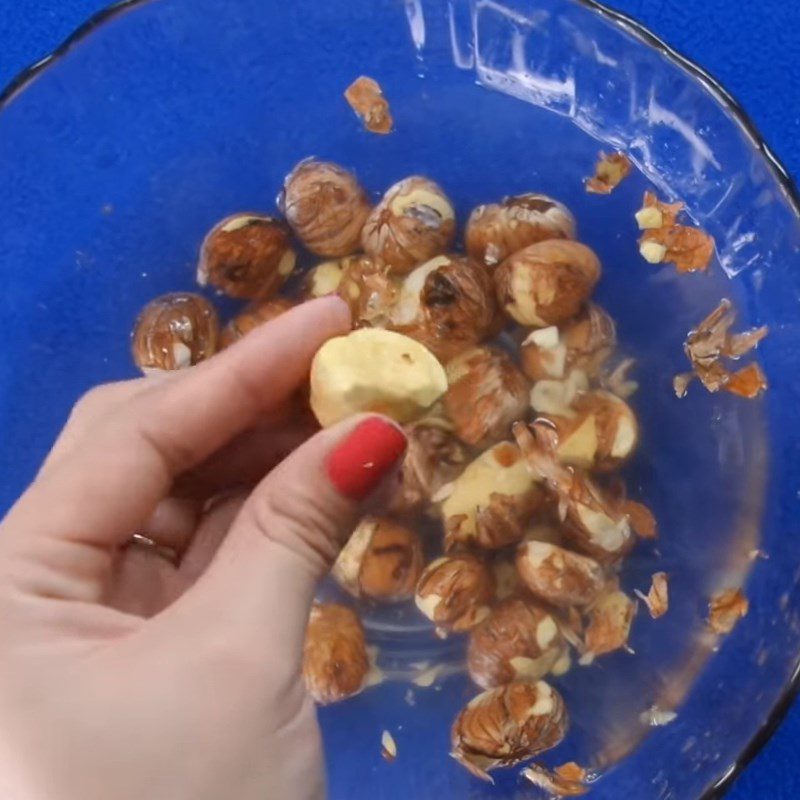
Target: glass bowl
x: 159, y: 118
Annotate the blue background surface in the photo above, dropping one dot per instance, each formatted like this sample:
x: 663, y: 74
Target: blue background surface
x: 754, y: 50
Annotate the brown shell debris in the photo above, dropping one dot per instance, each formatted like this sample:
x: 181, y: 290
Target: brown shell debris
x: 710, y: 343
x: 689, y: 249
x: 611, y: 170
x: 365, y: 97
x: 726, y: 609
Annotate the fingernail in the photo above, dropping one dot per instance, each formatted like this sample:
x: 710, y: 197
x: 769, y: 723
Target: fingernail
x: 361, y: 461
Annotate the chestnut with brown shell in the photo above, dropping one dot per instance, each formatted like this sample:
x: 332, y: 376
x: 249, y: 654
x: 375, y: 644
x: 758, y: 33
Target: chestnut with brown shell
x: 558, y: 576
x: 610, y: 619
x: 486, y: 394
x: 335, y: 662
x: 517, y: 641
x: 547, y: 283
x: 434, y: 458
x: 247, y: 256
x: 498, y: 230
x: 414, y: 222
x: 594, y: 523
x: 507, y: 725
x: 455, y: 591
x: 447, y: 304
x: 255, y: 315
x: 598, y: 432
x: 326, y: 207
x: 583, y: 343
x: 492, y: 501
x: 382, y: 560
x: 175, y: 331
x: 368, y: 287
x: 590, y: 339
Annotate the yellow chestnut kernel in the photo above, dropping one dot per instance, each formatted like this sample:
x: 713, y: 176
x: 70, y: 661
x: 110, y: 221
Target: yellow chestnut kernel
x: 374, y: 370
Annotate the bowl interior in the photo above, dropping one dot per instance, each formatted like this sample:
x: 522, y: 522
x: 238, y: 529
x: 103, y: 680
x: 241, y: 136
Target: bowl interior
x: 170, y: 115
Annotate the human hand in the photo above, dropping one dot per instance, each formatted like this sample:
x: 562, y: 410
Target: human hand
x: 123, y: 675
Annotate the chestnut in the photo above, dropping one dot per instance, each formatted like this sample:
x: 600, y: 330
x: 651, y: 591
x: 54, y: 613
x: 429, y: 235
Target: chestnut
x: 253, y: 316
x: 382, y: 561
x: 497, y: 230
x: 414, y: 222
x: 247, y: 256
x: 175, y: 331
x: 325, y: 206
x: 547, y: 283
x: 447, y: 304
x: 486, y: 394
x: 335, y: 661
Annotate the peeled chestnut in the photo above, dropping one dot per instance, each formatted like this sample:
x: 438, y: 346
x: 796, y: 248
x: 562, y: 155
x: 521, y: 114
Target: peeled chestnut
x: 325, y: 206
x: 247, y: 256
x: 412, y: 223
x: 498, y: 230
x: 175, y: 331
x: 373, y: 370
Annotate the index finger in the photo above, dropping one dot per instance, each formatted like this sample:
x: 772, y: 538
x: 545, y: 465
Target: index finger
x: 111, y: 480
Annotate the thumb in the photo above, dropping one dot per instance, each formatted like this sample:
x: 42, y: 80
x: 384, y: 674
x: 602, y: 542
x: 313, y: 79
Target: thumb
x: 288, y: 533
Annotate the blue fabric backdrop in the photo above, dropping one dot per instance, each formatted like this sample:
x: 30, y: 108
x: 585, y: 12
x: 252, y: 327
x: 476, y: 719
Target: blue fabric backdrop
x: 753, y: 48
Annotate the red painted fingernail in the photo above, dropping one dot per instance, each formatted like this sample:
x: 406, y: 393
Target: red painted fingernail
x: 367, y: 454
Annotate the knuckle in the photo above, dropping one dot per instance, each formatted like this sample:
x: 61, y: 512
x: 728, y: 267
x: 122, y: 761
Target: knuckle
x: 100, y: 399
x: 92, y: 407
x: 176, y: 454
x: 300, y: 520
x: 90, y: 401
